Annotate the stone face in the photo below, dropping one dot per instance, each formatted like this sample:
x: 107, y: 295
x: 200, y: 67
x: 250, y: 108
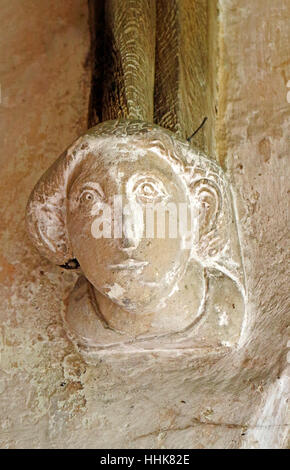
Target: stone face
x: 152, y: 283
x: 50, y: 397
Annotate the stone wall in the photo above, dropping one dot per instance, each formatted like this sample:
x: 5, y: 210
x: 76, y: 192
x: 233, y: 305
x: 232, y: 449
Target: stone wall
x: 49, y: 397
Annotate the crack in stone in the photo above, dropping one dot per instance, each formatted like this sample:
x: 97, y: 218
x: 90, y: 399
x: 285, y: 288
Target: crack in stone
x: 196, y: 422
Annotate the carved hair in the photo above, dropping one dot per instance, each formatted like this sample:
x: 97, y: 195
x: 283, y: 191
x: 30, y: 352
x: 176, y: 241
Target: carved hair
x: 217, y: 247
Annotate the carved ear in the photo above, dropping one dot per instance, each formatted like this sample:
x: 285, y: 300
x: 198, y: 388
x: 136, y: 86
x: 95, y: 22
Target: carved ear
x: 46, y: 213
x: 208, y: 200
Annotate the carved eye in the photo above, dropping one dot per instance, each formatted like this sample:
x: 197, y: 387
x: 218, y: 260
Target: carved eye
x: 90, y: 196
x: 149, y: 190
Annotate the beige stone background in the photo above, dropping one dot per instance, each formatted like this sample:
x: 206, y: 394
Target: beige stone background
x: 49, y: 398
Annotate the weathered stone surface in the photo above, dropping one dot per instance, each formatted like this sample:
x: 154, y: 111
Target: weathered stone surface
x: 129, y: 63
x: 49, y: 396
x: 44, y: 104
x: 185, y: 68
x: 150, y: 287
x: 252, y: 132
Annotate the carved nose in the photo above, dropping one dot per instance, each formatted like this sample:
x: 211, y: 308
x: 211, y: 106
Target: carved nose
x: 127, y: 246
x: 129, y: 240
x: 132, y: 220
x: 128, y: 243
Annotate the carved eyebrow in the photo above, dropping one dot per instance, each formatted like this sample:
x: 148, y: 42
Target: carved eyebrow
x: 95, y: 186
x: 136, y: 177
x: 139, y: 178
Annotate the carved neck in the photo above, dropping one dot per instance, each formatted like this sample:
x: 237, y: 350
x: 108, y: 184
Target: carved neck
x: 176, y: 313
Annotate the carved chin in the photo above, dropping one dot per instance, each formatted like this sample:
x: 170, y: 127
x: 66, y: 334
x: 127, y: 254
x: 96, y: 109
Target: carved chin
x: 137, y: 299
x: 131, y: 304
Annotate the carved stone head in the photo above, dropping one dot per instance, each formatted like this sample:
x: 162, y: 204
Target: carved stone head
x: 151, y: 223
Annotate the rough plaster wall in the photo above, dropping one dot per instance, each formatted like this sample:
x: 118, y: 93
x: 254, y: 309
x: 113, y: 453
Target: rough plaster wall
x: 49, y: 396
x: 45, y: 87
x: 253, y: 143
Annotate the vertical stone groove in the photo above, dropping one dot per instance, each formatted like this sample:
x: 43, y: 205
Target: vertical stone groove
x: 184, y: 71
x: 128, y: 83
x: 156, y: 61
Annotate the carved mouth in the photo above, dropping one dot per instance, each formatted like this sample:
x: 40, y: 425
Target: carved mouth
x: 129, y: 264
